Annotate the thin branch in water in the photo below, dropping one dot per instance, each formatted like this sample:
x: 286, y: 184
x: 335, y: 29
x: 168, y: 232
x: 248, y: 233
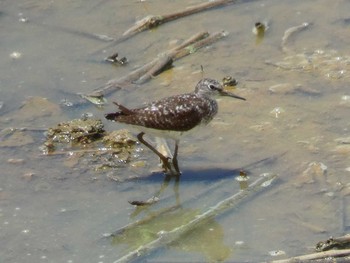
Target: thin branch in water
x: 167, y: 237
x: 290, y: 32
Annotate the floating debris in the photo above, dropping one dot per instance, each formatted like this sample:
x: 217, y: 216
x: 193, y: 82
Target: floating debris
x: 119, y: 138
x: 277, y: 112
x: 115, y: 60
x: 66, y: 103
x: 259, y: 30
x: 276, y: 253
x: 270, y: 178
x: 105, y: 151
x: 328, y: 64
x: 76, y: 131
x: 242, y: 177
x: 150, y: 201
x: 315, y: 173
x: 94, y: 99
x: 15, y: 55
x: 229, y: 81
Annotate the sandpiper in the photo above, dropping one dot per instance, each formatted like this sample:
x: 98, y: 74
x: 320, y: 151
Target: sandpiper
x: 171, y: 116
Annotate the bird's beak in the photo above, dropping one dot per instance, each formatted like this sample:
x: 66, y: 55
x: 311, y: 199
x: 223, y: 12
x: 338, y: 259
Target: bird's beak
x: 229, y: 94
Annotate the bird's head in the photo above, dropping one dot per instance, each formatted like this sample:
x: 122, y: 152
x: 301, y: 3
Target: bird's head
x: 212, y: 88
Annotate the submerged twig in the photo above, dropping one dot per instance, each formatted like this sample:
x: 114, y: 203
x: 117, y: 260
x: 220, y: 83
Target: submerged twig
x: 289, y: 32
x: 167, y: 237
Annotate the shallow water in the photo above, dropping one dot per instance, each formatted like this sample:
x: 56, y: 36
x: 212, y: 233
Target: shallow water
x: 51, y: 211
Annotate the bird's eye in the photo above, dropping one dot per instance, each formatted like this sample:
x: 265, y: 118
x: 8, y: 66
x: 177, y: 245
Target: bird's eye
x: 212, y: 87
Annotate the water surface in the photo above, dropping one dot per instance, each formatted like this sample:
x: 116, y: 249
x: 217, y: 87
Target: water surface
x: 51, y: 211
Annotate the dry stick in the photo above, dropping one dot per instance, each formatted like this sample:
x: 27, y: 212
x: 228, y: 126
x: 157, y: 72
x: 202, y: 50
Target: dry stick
x: 163, y: 62
x: 153, y: 21
x: 168, y: 57
x: 167, y: 237
x: 315, y: 256
x: 202, y: 43
x: 175, y: 54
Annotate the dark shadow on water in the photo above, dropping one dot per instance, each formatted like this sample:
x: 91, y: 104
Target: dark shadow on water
x: 214, y: 174
x: 194, y: 175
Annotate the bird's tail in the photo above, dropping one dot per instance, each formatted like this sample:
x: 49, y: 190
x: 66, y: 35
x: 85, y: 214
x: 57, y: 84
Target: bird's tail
x: 123, y: 112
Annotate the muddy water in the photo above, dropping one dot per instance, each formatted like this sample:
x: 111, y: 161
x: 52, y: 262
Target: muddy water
x: 295, y: 123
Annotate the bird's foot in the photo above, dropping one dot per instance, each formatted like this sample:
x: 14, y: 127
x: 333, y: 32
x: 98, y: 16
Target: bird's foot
x: 170, y: 166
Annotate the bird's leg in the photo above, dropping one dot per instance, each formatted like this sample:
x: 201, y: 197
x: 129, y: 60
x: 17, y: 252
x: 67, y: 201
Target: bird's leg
x: 164, y: 159
x: 175, y: 162
x: 176, y: 189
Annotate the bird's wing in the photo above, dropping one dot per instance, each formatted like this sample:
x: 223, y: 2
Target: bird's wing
x: 177, y: 113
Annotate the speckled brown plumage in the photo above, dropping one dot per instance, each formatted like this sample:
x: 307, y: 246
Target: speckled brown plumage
x: 176, y: 113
